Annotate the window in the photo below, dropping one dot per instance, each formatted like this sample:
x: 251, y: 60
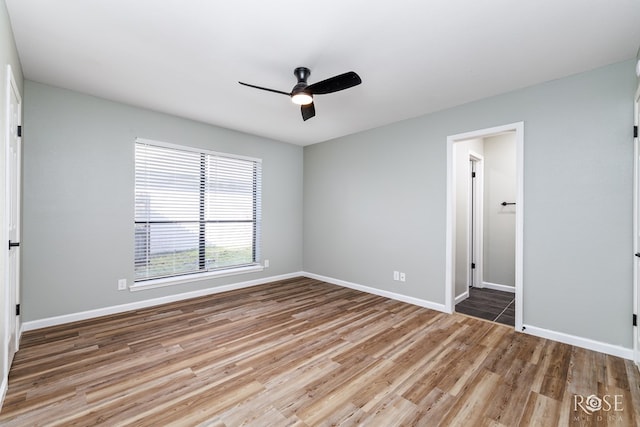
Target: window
x: 196, y: 211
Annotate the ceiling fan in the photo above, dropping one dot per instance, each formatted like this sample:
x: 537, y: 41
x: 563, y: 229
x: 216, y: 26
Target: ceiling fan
x: 302, y: 93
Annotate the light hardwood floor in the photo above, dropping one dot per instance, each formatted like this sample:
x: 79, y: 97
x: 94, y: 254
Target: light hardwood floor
x: 302, y: 352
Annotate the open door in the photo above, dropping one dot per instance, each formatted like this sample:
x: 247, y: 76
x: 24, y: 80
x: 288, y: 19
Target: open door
x: 11, y: 288
x: 636, y: 229
x: 475, y: 234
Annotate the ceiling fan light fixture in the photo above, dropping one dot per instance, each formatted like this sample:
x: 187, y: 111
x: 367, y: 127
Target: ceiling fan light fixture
x: 302, y: 98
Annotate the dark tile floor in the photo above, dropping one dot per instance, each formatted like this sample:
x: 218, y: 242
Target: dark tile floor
x: 489, y: 304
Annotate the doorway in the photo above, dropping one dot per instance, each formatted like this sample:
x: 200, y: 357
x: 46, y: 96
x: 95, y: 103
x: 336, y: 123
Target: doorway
x: 11, y: 284
x: 484, y: 204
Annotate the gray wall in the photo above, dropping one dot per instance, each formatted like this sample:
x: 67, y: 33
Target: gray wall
x: 499, y: 235
x: 78, y: 189
x: 375, y: 201
x: 8, y: 55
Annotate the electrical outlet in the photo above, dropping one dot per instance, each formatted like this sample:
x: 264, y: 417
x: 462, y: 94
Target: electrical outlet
x: 122, y: 284
x: 266, y: 263
x: 403, y: 277
x: 396, y: 275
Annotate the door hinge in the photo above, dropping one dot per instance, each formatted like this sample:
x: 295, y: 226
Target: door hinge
x: 17, y: 309
x: 635, y: 319
x: 473, y: 265
x: 20, y: 131
x: 473, y: 174
x: 635, y: 131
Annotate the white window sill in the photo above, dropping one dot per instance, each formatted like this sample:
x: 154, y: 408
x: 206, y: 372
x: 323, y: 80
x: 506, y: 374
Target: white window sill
x: 189, y: 278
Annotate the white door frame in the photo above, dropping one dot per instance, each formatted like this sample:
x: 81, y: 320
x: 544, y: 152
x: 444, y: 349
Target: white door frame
x: 518, y: 128
x: 636, y: 227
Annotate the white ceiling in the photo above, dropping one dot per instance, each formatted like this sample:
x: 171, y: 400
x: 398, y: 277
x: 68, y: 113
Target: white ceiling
x: 185, y: 57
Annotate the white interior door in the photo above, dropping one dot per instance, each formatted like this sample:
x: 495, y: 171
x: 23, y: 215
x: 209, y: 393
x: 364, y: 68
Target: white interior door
x: 13, y: 214
x: 476, y: 184
x: 636, y: 229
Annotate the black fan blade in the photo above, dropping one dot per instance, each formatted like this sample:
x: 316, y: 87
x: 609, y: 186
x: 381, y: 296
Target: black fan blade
x: 266, y: 88
x: 336, y: 83
x: 308, y: 111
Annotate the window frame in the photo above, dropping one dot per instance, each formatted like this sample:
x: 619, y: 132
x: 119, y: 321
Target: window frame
x: 179, y: 278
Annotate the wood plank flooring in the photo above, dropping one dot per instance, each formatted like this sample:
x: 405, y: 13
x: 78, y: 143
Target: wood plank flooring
x: 301, y: 352
x: 490, y: 304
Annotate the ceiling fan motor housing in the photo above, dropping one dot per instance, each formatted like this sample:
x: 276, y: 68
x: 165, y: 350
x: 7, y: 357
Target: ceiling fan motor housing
x: 302, y: 74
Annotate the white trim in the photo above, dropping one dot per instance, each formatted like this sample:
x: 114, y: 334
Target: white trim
x: 90, y: 314
x: 105, y: 311
x: 531, y: 330
x: 498, y: 287
x: 518, y: 127
x: 614, y: 350
x: 189, y: 278
x: 379, y: 292
x: 194, y: 149
x: 519, y: 315
x: 450, y: 247
x: 463, y: 296
x: 4, y: 386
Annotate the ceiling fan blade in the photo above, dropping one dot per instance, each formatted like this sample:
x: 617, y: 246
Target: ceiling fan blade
x: 308, y: 111
x: 265, y: 88
x: 336, y: 83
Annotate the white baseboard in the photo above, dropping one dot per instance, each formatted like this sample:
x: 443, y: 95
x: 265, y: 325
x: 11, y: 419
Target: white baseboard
x: 614, y: 350
x: 89, y: 314
x: 3, y: 389
x: 463, y: 296
x: 498, y: 287
x: 19, y: 338
x: 589, y: 344
x: 379, y: 292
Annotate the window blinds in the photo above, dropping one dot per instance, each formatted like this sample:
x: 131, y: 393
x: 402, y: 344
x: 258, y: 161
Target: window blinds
x: 195, y: 211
